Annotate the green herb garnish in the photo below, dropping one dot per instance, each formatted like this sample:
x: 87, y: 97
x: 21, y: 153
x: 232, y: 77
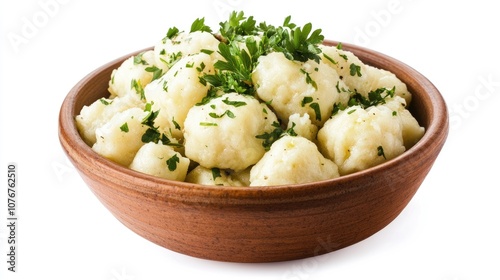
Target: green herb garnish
x: 278, y: 132
x: 215, y: 173
x: 172, y: 162
x: 157, y: 72
x: 105, y: 102
x: 355, y: 70
x: 199, y: 25
x: 375, y: 97
x: 380, y: 152
x: 124, y: 127
x: 309, y: 80
x: 139, y: 60
x: 139, y: 89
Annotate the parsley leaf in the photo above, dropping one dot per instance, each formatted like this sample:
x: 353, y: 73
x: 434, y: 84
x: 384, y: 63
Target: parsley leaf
x: 226, y: 113
x: 380, y: 152
x: 124, y: 127
x: 171, y: 33
x: 294, y: 42
x: 234, y: 73
x: 317, y: 110
x: 355, y: 70
x: 375, y: 97
x: 199, y: 25
x: 309, y: 80
x: 137, y: 86
x: 215, y: 173
x: 172, y: 162
x: 304, y: 47
x: 105, y: 102
x: 234, y: 103
x: 237, y: 26
x: 152, y: 134
x: 139, y: 60
x: 157, y: 72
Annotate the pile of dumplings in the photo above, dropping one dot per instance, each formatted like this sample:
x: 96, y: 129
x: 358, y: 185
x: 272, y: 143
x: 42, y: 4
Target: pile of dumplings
x: 154, y: 120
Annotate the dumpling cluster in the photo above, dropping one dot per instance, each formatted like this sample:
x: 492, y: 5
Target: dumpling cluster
x: 232, y: 109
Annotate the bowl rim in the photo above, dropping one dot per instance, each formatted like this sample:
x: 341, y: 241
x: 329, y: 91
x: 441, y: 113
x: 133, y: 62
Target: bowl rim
x: 71, y: 141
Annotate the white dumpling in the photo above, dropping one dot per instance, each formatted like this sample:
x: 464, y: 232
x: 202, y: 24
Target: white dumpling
x: 178, y: 90
x: 102, y: 110
x: 170, y: 50
x: 119, y: 139
x: 133, y: 75
x: 222, y: 133
x: 218, y: 177
x: 292, y: 87
x: 292, y: 160
x: 411, y: 129
x: 303, y: 126
x: 160, y: 160
x: 359, y: 76
x: 356, y: 139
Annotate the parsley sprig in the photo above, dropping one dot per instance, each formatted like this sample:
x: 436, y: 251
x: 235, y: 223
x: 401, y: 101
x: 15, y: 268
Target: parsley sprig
x: 240, y: 50
x: 199, y: 25
x: 300, y: 43
x: 237, y: 27
x: 234, y: 73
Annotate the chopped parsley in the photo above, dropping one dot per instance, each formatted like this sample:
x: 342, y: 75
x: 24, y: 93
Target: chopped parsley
x: 171, y: 33
x: 270, y: 137
x: 314, y: 105
x: 176, y: 124
x: 157, y: 72
x: 201, y: 67
x: 226, y: 113
x: 215, y: 173
x: 306, y: 100
x: 139, y: 60
x: 355, y: 70
x: 172, y: 58
x: 234, y: 103
x: 375, y: 97
x: 172, y: 162
x: 153, y: 134
x: 317, y: 110
x: 105, y: 102
x: 137, y: 86
x: 209, y: 52
x: 208, y: 124
x: 380, y: 152
x: 124, y: 127
x: 344, y: 56
x: 329, y: 58
x: 309, y: 80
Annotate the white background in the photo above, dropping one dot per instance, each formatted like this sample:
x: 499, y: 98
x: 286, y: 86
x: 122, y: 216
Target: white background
x: 449, y: 231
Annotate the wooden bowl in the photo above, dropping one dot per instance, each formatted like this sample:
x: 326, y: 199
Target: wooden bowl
x: 260, y: 224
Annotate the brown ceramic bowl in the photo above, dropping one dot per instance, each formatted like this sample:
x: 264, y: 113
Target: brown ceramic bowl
x: 260, y: 224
